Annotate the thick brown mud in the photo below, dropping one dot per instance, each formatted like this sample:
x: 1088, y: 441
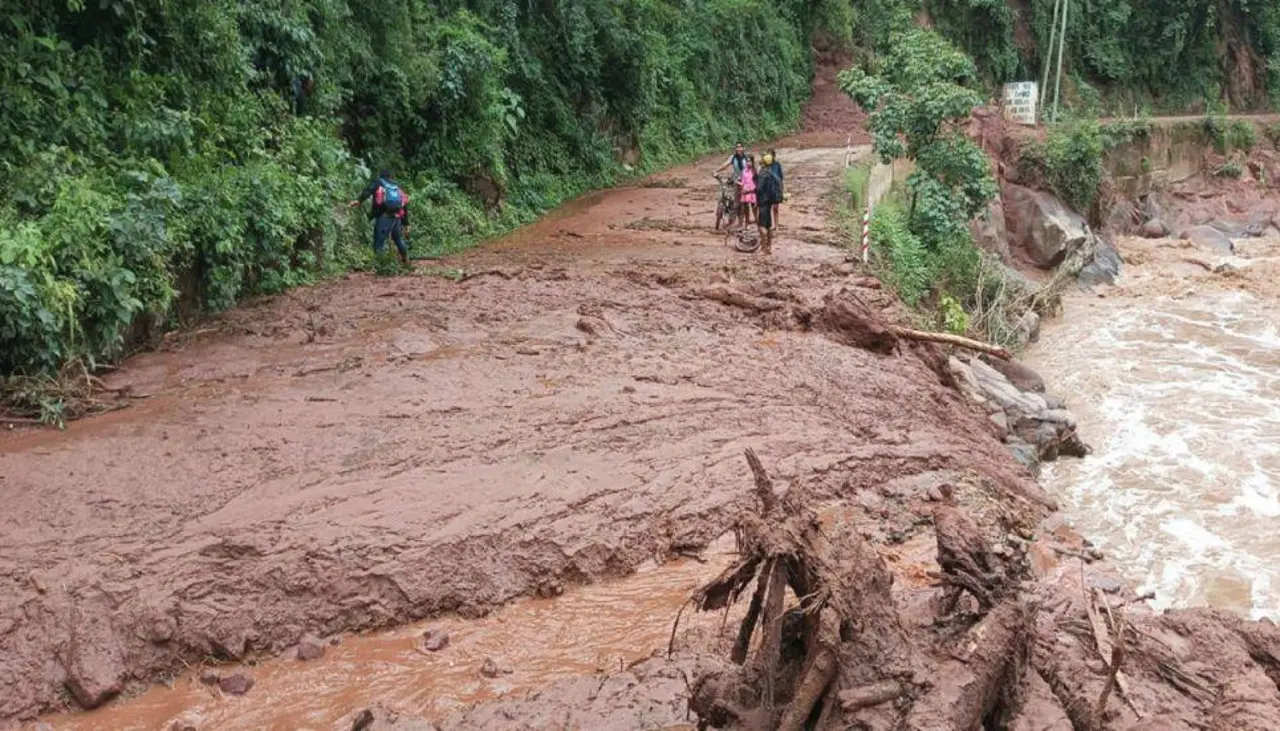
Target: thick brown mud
x: 587, y: 632
x: 555, y: 409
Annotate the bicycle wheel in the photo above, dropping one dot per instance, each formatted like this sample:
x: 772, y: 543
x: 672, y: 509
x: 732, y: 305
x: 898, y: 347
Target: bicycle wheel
x: 719, y: 213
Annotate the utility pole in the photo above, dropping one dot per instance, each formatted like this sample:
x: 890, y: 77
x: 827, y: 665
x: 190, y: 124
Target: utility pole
x: 1048, y: 60
x: 1062, y: 42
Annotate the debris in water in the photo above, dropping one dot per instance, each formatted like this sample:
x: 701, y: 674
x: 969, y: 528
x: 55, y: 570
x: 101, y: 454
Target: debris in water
x: 491, y: 669
x: 310, y: 649
x: 236, y: 684
x: 189, y: 721
x: 435, y: 639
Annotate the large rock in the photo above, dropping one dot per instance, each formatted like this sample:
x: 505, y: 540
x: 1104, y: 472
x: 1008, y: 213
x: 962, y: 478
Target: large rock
x: 996, y: 387
x: 1020, y: 375
x: 1103, y: 267
x: 989, y: 230
x: 1028, y: 327
x: 1150, y: 208
x: 1154, y: 229
x: 1209, y: 238
x: 93, y: 662
x: 1042, y: 226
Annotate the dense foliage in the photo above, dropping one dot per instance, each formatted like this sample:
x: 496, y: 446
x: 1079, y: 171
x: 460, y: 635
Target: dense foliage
x: 919, y: 95
x: 161, y: 157
x: 1182, y: 53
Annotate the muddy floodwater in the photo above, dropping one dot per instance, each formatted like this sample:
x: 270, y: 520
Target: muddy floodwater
x: 586, y: 631
x: 1175, y: 378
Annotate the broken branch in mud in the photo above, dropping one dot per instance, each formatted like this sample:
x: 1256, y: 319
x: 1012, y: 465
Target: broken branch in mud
x: 736, y: 298
x: 871, y: 695
x: 1113, y: 674
x: 949, y: 339
x: 967, y: 688
x: 504, y: 274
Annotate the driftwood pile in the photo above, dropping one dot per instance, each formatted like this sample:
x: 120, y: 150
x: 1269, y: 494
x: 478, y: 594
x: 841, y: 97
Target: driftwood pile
x: 837, y: 653
x: 824, y: 643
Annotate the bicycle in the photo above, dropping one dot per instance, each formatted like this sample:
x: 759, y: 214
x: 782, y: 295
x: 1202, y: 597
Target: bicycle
x: 728, y: 211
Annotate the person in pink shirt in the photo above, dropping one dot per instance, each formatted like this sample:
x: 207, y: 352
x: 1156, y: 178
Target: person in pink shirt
x: 748, y: 183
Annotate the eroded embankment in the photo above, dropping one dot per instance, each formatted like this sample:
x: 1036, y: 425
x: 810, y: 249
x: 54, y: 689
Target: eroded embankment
x: 371, y: 451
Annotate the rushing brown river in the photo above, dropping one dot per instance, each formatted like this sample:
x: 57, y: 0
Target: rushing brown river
x: 1174, y: 376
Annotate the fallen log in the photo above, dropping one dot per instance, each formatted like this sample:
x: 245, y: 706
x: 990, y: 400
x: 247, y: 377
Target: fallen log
x: 968, y: 687
x: 907, y: 333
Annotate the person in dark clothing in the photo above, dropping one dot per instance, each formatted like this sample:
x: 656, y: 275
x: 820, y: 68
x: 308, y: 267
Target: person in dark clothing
x: 776, y: 167
x: 390, y: 213
x: 768, y: 196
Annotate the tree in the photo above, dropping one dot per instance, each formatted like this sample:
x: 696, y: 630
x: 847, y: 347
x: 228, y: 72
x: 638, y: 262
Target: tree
x: 918, y: 99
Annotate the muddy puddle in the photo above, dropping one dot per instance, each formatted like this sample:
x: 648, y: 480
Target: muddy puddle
x: 585, y: 631
x: 1175, y: 378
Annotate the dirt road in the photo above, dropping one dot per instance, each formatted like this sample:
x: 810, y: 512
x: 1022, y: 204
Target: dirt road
x: 556, y: 408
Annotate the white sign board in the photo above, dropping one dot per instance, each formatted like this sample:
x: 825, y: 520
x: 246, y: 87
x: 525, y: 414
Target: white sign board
x: 1020, y: 102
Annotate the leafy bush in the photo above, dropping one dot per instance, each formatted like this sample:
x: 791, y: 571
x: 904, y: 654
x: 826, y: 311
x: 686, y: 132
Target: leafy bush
x: 901, y: 256
x: 913, y: 268
x: 1070, y: 162
x: 1242, y: 135
x: 984, y: 29
x: 1229, y: 169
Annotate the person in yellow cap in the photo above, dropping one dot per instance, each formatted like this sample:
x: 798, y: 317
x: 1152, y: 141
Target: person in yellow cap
x: 777, y: 170
x: 768, y: 196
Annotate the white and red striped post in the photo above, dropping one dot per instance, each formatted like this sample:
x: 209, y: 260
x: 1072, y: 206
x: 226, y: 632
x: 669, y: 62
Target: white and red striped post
x: 866, y: 234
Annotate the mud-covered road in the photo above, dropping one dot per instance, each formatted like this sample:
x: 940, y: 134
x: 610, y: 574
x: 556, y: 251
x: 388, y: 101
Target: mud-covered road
x: 555, y: 408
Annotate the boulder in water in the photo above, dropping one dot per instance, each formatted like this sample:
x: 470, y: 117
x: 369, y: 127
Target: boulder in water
x: 1154, y: 229
x: 1028, y: 327
x: 1019, y: 374
x: 1103, y: 267
x: 1209, y: 237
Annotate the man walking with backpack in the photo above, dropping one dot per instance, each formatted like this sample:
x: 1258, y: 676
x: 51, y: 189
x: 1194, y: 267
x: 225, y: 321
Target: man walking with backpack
x: 390, y: 214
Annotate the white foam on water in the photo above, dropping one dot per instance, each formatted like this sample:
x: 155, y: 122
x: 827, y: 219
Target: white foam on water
x: 1196, y: 537
x: 1180, y: 399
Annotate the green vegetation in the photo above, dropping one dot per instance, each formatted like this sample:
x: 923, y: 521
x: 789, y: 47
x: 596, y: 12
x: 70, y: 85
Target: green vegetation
x: 917, y: 98
x: 920, y: 90
x: 1272, y: 133
x: 1173, y: 55
x: 1069, y: 161
x: 984, y: 29
x: 162, y: 158
x: 1230, y: 135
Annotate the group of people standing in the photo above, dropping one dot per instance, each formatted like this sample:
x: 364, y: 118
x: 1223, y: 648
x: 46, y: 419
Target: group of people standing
x: 760, y: 190
x: 759, y: 187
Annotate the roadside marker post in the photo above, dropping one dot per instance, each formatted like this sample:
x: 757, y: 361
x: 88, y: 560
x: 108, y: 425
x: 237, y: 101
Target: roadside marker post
x: 866, y: 234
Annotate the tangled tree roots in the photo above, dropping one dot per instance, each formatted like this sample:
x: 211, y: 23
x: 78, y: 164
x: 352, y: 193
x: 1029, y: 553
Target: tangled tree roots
x: 834, y: 652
